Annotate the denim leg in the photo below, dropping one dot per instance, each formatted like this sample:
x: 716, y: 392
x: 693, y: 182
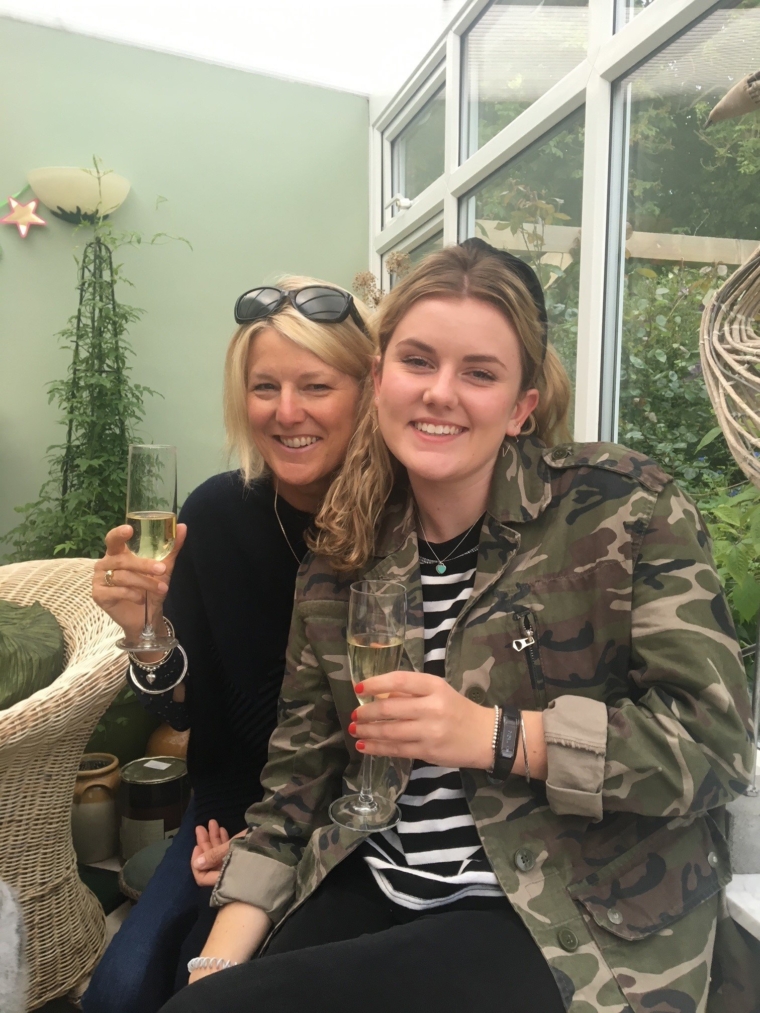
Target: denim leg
x: 136, y: 973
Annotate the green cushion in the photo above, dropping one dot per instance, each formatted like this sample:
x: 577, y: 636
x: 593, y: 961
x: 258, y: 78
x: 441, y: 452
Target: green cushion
x: 31, y: 651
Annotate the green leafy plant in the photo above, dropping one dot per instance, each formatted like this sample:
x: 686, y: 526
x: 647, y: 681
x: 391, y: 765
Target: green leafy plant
x: 101, y: 408
x: 733, y: 518
x: 665, y: 411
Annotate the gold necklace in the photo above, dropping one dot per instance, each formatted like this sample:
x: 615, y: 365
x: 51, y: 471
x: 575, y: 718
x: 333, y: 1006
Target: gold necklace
x: 282, y: 528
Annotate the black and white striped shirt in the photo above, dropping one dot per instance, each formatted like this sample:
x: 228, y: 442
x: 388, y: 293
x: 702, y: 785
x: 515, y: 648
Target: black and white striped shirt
x: 433, y: 856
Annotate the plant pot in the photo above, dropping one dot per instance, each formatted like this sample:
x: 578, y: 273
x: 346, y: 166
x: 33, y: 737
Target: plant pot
x: 94, y: 826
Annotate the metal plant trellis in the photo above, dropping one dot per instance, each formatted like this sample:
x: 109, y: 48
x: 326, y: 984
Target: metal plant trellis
x: 729, y: 347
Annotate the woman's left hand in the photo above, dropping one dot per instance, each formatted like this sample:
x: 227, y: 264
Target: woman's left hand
x: 424, y: 718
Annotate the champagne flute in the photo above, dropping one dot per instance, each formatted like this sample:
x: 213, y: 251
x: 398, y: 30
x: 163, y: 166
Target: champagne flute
x: 152, y: 513
x: 375, y: 635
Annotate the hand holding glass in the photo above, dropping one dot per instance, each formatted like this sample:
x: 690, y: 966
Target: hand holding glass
x: 375, y: 634
x: 152, y: 513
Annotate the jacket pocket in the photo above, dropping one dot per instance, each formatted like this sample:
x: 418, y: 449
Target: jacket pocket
x: 658, y: 881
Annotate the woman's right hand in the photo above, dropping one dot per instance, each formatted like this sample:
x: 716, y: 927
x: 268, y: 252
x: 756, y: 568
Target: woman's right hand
x: 209, y: 853
x: 132, y: 578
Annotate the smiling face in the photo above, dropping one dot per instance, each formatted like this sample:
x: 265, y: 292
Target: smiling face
x: 449, y: 390
x: 301, y: 413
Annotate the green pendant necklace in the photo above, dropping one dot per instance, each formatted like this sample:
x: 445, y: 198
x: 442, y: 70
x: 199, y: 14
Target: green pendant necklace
x: 441, y: 564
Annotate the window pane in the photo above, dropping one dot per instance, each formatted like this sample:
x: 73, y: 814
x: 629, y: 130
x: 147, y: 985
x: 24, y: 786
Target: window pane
x: 431, y: 245
x: 417, y: 152
x: 400, y: 264
x: 691, y: 214
x: 626, y: 10
x: 532, y: 207
x: 513, y: 54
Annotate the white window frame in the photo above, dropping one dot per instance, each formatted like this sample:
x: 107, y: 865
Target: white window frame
x: 411, y: 242
x: 610, y: 56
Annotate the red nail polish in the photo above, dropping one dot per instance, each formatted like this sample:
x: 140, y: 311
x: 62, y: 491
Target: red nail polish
x: 360, y: 745
x: 355, y: 714
x: 352, y: 728
x: 359, y: 688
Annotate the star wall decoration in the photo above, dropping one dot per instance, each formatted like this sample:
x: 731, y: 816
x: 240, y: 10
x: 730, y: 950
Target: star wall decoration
x: 22, y: 216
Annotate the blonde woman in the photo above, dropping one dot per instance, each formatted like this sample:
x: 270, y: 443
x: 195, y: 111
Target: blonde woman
x: 293, y: 375
x: 571, y: 720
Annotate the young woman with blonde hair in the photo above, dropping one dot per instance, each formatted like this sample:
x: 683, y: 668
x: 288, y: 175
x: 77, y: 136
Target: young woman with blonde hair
x: 571, y: 719
x: 293, y: 375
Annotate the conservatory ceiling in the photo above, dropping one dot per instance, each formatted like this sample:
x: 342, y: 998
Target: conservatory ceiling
x: 366, y: 47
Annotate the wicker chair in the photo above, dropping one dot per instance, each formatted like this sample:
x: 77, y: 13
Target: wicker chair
x: 41, y: 741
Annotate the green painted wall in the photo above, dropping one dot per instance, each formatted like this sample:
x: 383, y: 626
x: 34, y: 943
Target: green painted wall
x: 262, y: 176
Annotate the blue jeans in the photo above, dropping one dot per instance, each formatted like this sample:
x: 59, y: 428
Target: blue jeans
x: 138, y: 971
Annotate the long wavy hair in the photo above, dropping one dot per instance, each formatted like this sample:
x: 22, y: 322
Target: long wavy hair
x: 347, y: 523
x: 342, y: 346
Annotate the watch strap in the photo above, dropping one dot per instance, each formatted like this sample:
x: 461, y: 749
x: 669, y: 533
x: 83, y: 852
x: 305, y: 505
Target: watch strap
x: 506, y: 746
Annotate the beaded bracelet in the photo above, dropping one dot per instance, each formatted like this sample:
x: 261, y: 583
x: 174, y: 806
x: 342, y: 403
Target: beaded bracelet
x: 158, y: 692
x: 214, y: 963
x: 495, y: 739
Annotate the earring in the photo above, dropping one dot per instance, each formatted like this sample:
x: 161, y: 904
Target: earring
x: 532, y: 428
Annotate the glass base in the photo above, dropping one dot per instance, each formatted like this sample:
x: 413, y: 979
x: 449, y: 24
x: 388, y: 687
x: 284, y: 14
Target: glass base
x: 352, y: 814
x: 147, y: 644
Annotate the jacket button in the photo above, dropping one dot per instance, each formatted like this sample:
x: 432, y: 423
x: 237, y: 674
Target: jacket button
x: 614, y: 916
x: 713, y: 859
x: 476, y: 693
x: 560, y: 453
x: 524, y: 859
x: 567, y: 940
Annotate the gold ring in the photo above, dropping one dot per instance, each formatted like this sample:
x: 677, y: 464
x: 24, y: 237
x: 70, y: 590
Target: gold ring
x: 109, y: 578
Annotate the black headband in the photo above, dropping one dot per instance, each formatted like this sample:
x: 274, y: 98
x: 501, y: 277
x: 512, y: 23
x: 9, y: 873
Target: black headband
x: 525, y: 273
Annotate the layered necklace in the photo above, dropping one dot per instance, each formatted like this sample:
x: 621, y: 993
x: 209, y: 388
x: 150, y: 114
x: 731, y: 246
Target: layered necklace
x: 440, y: 564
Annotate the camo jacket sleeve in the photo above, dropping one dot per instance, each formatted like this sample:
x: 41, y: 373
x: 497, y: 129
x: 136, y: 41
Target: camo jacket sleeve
x: 307, y: 757
x: 680, y: 743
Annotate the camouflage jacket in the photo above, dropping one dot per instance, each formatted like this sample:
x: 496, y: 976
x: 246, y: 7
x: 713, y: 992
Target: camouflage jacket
x: 617, y: 863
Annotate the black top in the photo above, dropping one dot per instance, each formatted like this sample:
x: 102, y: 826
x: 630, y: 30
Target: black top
x: 230, y: 600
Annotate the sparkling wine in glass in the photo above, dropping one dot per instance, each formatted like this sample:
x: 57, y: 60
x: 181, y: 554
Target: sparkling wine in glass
x: 375, y: 635
x: 152, y: 513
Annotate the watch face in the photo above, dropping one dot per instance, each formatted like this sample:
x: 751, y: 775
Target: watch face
x: 509, y: 738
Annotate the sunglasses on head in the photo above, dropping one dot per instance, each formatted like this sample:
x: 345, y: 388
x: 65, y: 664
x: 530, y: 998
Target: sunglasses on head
x: 320, y: 303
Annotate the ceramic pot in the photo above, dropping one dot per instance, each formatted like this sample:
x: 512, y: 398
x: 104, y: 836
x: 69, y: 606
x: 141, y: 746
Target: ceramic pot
x: 94, y: 823
x: 167, y: 741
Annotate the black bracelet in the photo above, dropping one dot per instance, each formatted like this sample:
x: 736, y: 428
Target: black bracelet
x: 506, y: 748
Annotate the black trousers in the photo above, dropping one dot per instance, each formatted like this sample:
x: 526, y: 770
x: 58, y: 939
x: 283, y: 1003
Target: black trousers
x: 350, y: 949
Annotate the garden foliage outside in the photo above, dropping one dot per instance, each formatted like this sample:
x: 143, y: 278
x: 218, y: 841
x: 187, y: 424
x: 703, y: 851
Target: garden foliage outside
x: 683, y: 178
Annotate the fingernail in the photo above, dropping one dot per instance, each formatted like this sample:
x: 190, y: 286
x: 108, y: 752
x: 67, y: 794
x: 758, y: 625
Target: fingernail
x: 359, y: 688
x: 159, y: 568
x: 352, y: 728
x: 355, y: 714
x: 200, y: 863
x: 360, y: 745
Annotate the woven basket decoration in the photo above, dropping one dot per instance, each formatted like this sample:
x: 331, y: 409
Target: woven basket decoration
x: 41, y: 741
x: 729, y: 346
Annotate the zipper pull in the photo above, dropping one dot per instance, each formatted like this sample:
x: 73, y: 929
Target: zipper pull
x: 527, y: 641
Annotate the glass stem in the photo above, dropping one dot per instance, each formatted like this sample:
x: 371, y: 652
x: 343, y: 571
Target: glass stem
x: 147, y: 632
x: 366, y: 798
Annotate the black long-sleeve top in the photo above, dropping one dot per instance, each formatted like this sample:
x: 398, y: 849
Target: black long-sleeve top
x: 230, y: 600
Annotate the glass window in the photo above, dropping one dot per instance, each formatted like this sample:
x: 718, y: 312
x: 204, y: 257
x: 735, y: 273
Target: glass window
x: 400, y: 263
x: 431, y: 245
x: 532, y: 207
x: 626, y: 10
x: 690, y: 214
x: 512, y: 55
x: 417, y: 152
